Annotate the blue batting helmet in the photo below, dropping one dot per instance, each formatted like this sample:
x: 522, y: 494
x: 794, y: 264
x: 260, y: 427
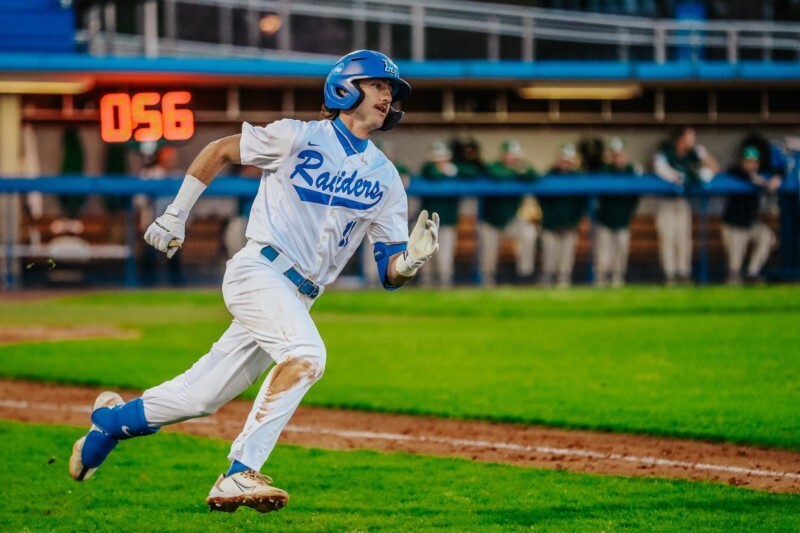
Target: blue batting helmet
x: 342, y: 93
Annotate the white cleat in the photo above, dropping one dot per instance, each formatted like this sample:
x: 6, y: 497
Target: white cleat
x: 76, y: 468
x: 249, y: 489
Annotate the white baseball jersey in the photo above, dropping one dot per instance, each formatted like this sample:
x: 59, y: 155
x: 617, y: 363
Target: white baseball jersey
x: 321, y: 192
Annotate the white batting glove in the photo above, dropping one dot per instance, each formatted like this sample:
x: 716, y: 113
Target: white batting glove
x: 167, y: 233
x: 422, y: 244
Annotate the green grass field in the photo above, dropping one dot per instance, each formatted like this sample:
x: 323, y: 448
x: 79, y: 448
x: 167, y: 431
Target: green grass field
x: 160, y: 483
x: 717, y: 364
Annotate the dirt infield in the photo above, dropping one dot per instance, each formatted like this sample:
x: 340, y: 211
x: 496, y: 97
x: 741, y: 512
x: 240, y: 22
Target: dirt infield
x: 531, y: 446
x: 14, y: 334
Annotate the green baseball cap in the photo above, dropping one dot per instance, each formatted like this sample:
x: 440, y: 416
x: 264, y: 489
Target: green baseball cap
x: 616, y: 145
x: 439, y: 152
x: 750, y: 152
x: 511, y: 146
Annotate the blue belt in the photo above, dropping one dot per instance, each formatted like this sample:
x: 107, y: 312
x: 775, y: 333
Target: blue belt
x: 304, y: 285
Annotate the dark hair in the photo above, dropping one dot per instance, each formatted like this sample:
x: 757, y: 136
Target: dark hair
x: 332, y: 114
x: 678, y: 132
x: 461, y: 145
x: 591, y: 150
x: 328, y: 114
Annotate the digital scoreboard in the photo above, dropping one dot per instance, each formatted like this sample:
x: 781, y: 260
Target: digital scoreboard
x: 146, y: 116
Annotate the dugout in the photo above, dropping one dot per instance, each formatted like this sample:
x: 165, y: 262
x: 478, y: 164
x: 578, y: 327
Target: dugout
x: 56, y: 82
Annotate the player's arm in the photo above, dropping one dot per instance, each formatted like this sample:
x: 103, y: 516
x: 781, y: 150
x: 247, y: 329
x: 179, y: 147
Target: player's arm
x: 214, y: 157
x: 392, y: 276
x: 707, y: 160
x: 168, y: 231
x: 708, y: 164
x: 664, y: 170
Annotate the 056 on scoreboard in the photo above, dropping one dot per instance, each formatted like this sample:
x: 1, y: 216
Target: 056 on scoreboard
x: 146, y: 116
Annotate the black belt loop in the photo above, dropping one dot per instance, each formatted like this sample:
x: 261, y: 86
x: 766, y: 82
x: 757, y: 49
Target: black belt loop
x: 304, y: 285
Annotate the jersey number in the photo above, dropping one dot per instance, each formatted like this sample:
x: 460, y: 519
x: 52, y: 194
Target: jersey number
x: 348, y: 230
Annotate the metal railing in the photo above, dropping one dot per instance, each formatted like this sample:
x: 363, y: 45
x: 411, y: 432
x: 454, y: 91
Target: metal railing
x: 658, y: 40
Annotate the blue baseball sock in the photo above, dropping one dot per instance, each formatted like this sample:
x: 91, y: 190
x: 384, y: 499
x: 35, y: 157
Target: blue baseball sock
x: 235, y: 468
x: 115, y: 424
x: 124, y: 421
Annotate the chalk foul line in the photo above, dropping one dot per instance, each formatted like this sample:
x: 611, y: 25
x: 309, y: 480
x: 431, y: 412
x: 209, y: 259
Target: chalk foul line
x: 567, y: 452
x: 467, y: 443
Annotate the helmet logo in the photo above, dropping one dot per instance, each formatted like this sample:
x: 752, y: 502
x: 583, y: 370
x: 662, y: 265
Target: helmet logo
x: 390, y: 67
x: 338, y: 68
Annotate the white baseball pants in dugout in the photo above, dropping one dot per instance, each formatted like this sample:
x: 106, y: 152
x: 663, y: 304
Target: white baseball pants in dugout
x: 271, y: 322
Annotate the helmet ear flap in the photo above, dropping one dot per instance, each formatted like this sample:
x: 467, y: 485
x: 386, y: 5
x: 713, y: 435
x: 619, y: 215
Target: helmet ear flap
x: 393, y: 118
x: 360, y: 96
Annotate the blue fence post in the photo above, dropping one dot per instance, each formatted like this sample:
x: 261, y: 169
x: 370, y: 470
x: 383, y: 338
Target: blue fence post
x: 703, y: 274
x: 789, y: 204
x: 477, y: 276
x: 593, y: 200
x: 9, y: 244
x: 131, y: 229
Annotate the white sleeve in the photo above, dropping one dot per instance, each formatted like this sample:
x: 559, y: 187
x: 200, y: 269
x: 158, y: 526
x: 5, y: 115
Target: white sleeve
x: 701, y: 151
x: 663, y: 169
x: 267, y: 147
x: 391, y: 226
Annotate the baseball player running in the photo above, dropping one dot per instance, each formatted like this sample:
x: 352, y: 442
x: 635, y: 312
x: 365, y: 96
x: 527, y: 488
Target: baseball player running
x: 324, y: 187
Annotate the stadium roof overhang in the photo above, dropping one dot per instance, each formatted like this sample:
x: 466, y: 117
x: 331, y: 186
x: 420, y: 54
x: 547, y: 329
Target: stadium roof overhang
x: 467, y: 92
x: 429, y: 74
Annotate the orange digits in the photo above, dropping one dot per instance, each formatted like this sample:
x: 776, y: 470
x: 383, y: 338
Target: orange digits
x: 149, y: 117
x: 122, y: 116
x: 115, y: 118
x: 178, y: 122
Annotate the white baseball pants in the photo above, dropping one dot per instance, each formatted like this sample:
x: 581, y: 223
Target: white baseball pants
x: 441, y: 265
x: 611, y: 255
x: 558, y: 256
x: 737, y: 241
x: 674, y: 226
x: 524, y: 234
x: 270, y: 323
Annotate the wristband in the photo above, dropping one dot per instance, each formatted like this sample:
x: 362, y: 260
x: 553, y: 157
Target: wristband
x: 190, y: 191
x: 404, y: 269
x: 176, y: 211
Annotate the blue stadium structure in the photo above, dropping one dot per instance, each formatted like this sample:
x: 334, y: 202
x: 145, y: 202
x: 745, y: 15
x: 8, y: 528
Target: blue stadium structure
x: 544, y: 76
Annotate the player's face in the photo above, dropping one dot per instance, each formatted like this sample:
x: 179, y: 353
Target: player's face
x: 510, y: 159
x: 619, y: 159
x: 750, y: 165
x: 686, y: 141
x: 377, y: 100
x: 565, y: 164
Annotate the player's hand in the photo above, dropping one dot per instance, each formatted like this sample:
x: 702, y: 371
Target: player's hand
x: 423, y: 243
x: 168, y: 231
x: 774, y: 184
x: 706, y: 174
